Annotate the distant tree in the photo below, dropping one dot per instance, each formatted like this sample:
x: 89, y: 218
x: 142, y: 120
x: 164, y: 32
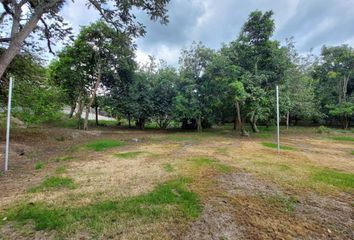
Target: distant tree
x: 335, y: 89
x: 21, y: 18
x: 195, y: 96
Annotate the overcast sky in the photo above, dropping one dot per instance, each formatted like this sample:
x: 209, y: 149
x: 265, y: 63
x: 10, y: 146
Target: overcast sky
x: 312, y: 23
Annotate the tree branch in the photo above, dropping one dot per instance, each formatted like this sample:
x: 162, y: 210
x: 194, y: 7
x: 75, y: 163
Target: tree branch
x: 47, y: 35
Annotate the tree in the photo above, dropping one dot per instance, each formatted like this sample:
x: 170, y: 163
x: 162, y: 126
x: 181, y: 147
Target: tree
x: 43, y: 18
x: 335, y: 74
x: 195, y: 96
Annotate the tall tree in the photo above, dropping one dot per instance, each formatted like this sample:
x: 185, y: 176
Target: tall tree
x: 43, y: 17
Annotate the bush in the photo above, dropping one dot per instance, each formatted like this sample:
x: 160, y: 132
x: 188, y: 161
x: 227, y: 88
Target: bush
x: 323, y: 129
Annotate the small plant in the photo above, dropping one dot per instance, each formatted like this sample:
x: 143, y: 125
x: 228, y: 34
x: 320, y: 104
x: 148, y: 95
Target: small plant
x: 352, y: 153
x: 323, y: 129
x: 38, y: 165
x: 274, y: 146
x: 168, y: 167
x: 127, y: 154
x: 101, y: 145
x: 52, y: 183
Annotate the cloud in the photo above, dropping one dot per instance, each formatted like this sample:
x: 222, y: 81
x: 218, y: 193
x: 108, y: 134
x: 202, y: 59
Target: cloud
x: 312, y: 23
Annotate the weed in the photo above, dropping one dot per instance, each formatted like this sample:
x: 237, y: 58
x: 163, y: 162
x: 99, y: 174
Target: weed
x: 344, y: 138
x: 127, y: 154
x: 168, y: 167
x: 274, y: 146
x: 334, y: 178
x: 52, y: 183
x: 101, y: 145
x: 38, y: 165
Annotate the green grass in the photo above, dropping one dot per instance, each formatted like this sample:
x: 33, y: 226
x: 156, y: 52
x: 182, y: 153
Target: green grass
x: 53, y: 183
x: 286, y: 204
x: 223, y: 168
x: 60, y: 170
x: 166, y: 200
x: 263, y: 135
x: 104, y: 144
x: 201, y: 162
x: 274, y: 146
x: 168, y: 167
x: 335, y: 178
x: 38, y: 165
x: 63, y: 158
x: 352, y: 153
x: 344, y: 138
x: 127, y: 154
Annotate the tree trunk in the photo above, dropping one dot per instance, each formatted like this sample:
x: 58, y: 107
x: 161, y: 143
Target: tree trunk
x: 17, y: 41
x: 235, y: 121
x: 243, y: 129
x: 129, y: 121
x: 287, y: 119
x: 199, y: 124
x: 72, y: 110
x: 93, y: 96
x: 96, y: 112
x: 238, y: 114
x: 254, y: 123
x: 19, y: 35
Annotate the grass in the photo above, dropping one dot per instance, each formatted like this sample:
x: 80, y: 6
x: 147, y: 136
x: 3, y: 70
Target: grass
x: 168, y: 167
x: 168, y: 199
x: 286, y: 204
x: 38, y: 165
x: 344, y: 138
x: 53, y: 183
x: 104, y: 144
x: 352, y: 153
x: 127, y: 154
x: 201, y: 162
x: 223, y: 168
x: 63, y: 158
x: 335, y: 178
x: 274, y: 146
x: 263, y: 135
x: 60, y: 170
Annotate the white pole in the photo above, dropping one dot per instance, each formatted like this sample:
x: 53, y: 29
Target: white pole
x: 8, y: 127
x: 278, y: 120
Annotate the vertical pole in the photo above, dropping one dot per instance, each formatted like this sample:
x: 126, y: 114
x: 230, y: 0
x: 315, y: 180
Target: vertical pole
x: 8, y: 127
x: 278, y: 120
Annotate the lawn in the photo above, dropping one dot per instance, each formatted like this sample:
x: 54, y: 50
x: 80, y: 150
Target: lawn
x: 172, y: 184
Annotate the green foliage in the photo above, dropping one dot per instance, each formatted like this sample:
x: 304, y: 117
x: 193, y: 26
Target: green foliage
x: 274, y: 146
x: 323, y: 129
x: 335, y: 178
x: 54, y: 183
x: 38, y: 165
x: 168, y: 199
x: 127, y: 154
x: 104, y: 144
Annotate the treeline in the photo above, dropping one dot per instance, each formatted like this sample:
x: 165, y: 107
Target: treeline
x: 233, y: 84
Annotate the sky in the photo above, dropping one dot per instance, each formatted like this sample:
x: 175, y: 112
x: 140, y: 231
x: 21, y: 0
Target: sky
x: 312, y: 23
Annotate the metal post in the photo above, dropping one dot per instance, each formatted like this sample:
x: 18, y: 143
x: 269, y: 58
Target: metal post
x: 278, y: 120
x: 8, y: 127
